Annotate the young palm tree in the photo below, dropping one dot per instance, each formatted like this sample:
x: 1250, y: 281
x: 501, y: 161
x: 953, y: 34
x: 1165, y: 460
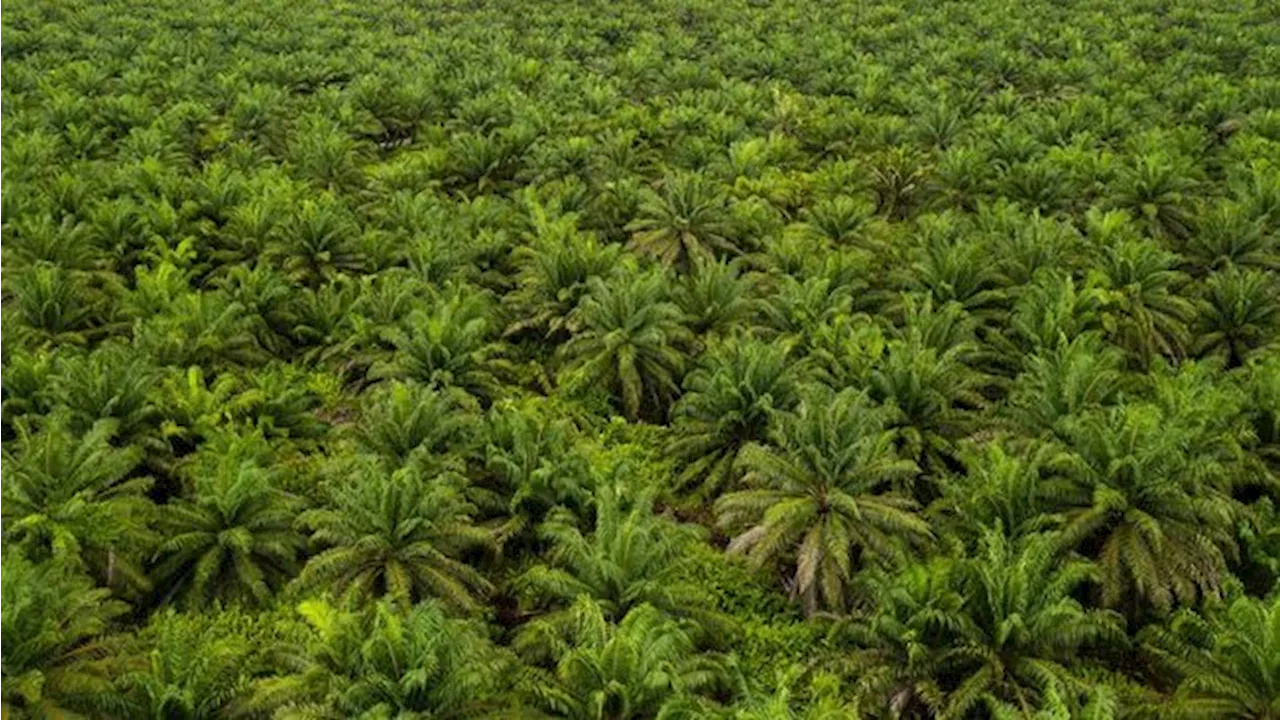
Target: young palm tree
x: 631, y: 345
x: 397, y: 534
x: 643, y: 667
x: 1153, y: 505
x: 630, y: 557
x: 730, y: 401
x: 233, y: 541
x: 684, y: 223
x: 823, y: 497
x: 74, y: 499
x: 58, y: 661
x: 384, y: 661
x: 1226, y: 659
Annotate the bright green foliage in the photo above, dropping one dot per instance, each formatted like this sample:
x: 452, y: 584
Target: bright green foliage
x: 827, y: 495
x: 646, y: 666
x: 687, y: 358
x: 380, y: 662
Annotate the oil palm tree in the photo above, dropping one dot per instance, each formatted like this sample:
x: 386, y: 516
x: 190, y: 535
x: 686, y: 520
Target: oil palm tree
x: 397, y: 534
x: 729, y: 402
x: 646, y: 666
x: 551, y: 279
x: 825, y: 495
x: 683, y: 223
x: 195, y: 665
x: 1061, y: 381
x: 718, y: 300
x: 1239, y: 314
x: 1157, y: 190
x: 1024, y: 631
x: 233, y: 541
x: 630, y: 557
x: 76, y: 499
x: 1152, y: 505
x: 1226, y: 659
x: 529, y: 458
x: 935, y: 392
x: 452, y: 344
x: 631, y: 345
x: 59, y: 660
x: 383, y: 661
x: 1149, y: 316
x: 402, y: 421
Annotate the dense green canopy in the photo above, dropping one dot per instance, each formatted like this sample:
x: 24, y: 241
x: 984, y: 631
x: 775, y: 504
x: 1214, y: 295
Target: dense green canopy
x: 735, y: 359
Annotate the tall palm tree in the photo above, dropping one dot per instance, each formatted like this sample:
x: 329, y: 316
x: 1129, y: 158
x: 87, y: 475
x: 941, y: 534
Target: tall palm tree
x: 58, y: 660
x: 1152, y: 505
x: 824, y: 496
x: 384, y: 661
x: 397, y: 534
x: 643, y: 667
x: 685, y: 222
x: 631, y: 344
x: 1226, y: 659
x: 232, y: 541
x: 75, y: 499
x: 729, y: 402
